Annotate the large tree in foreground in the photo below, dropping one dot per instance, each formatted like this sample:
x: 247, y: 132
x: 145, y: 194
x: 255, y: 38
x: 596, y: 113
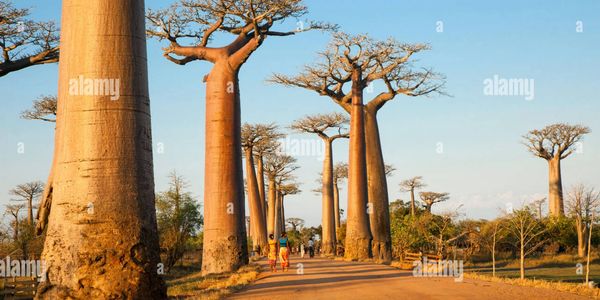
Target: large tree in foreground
x: 101, y: 239
x: 249, y: 22
x: 410, y: 185
x: 555, y: 143
x: 387, y: 63
x: 23, y: 42
x: 328, y: 127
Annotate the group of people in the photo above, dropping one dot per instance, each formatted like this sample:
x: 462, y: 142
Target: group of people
x: 284, y: 254
x: 280, y: 249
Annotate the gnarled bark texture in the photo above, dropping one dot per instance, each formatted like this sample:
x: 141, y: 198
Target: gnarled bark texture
x: 555, y: 192
x: 225, y: 244
x: 379, y: 218
x: 358, y: 237
x: 328, y: 219
x: 102, y: 240
x: 258, y: 228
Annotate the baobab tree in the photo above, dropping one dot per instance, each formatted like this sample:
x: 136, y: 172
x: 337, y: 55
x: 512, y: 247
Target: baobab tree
x: 28, y: 192
x: 24, y: 42
x: 554, y: 143
x: 249, y: 23
x: 328, y: 127
x: 268, y: 145
x: 43, y: 109
x: 14, y: 210
x: 582, y: 203
x: 410, y: 185
x: 101, y: 238
x: 361, y: 61
x: 285, y: 189
x: 431, y: 198
x: 277, y: 167
x: 251, y: 136
x: 340, y: 172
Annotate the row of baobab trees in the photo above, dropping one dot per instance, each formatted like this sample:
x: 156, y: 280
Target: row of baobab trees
x: 113, y: 167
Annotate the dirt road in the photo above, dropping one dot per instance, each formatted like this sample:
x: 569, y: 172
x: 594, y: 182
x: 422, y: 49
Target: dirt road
x: 313, y: 279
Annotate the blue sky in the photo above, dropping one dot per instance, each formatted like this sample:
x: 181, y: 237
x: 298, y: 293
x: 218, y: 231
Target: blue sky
x: 483, y: 165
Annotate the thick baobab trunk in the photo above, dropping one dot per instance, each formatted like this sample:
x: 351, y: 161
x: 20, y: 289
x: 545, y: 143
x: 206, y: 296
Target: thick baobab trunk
x: 555, y: 193
x: 358, y: 237
x: 260, y: 174
x: 258, y: 228
x: 412, y: 202
x: 102, y: 240
x: 328, y: 219
x: 494, y: 256
x: 272, y: 214
x: 225, y: 244
x: 379, y: 217
x: 336, y: 206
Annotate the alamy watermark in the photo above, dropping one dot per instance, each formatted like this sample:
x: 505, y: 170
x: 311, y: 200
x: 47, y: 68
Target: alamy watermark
x: 497, y: 86
x: 23, y: 268
x: 82, y: 86
x: 302, y: 147
x: 439, y: 268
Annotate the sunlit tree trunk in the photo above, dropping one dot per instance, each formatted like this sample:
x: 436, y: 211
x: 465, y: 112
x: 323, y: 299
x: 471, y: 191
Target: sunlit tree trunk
x: 260, y: 174
x: 358, y: 237
x: 258, y: 228
x: 102, y: 240
x: 379, y: 217
x: 328, y: 219
x: 225, y: 244
x: 336, y: 205
x: 522, y: 261
x: 281, y: 212
x: 272, y: 227
x: 276, y: 213
x: 555, y: 193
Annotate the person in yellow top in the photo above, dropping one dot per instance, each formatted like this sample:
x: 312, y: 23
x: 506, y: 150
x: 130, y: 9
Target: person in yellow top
x: 272, y: 253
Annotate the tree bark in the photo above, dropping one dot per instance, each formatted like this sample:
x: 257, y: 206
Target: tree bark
x: 225, y: 244
x: 336, y: 206
x: 555, y: 193
x: 494, y: 255
x: 282, y: 210
x: 327, y: 220
x: 258, y: 228
x: 102, y: 240
x: 277, y: 216
x: 358, y: 237
x: 379, y: 218
x: 272, y: 215
x: 260, y: 170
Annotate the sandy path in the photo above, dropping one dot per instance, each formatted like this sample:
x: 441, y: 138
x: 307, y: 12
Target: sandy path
x: 329, y: 279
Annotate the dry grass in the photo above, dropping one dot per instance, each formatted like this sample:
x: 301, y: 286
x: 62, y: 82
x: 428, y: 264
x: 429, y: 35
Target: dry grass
x: 575, y: 288
x: 187, y: 283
